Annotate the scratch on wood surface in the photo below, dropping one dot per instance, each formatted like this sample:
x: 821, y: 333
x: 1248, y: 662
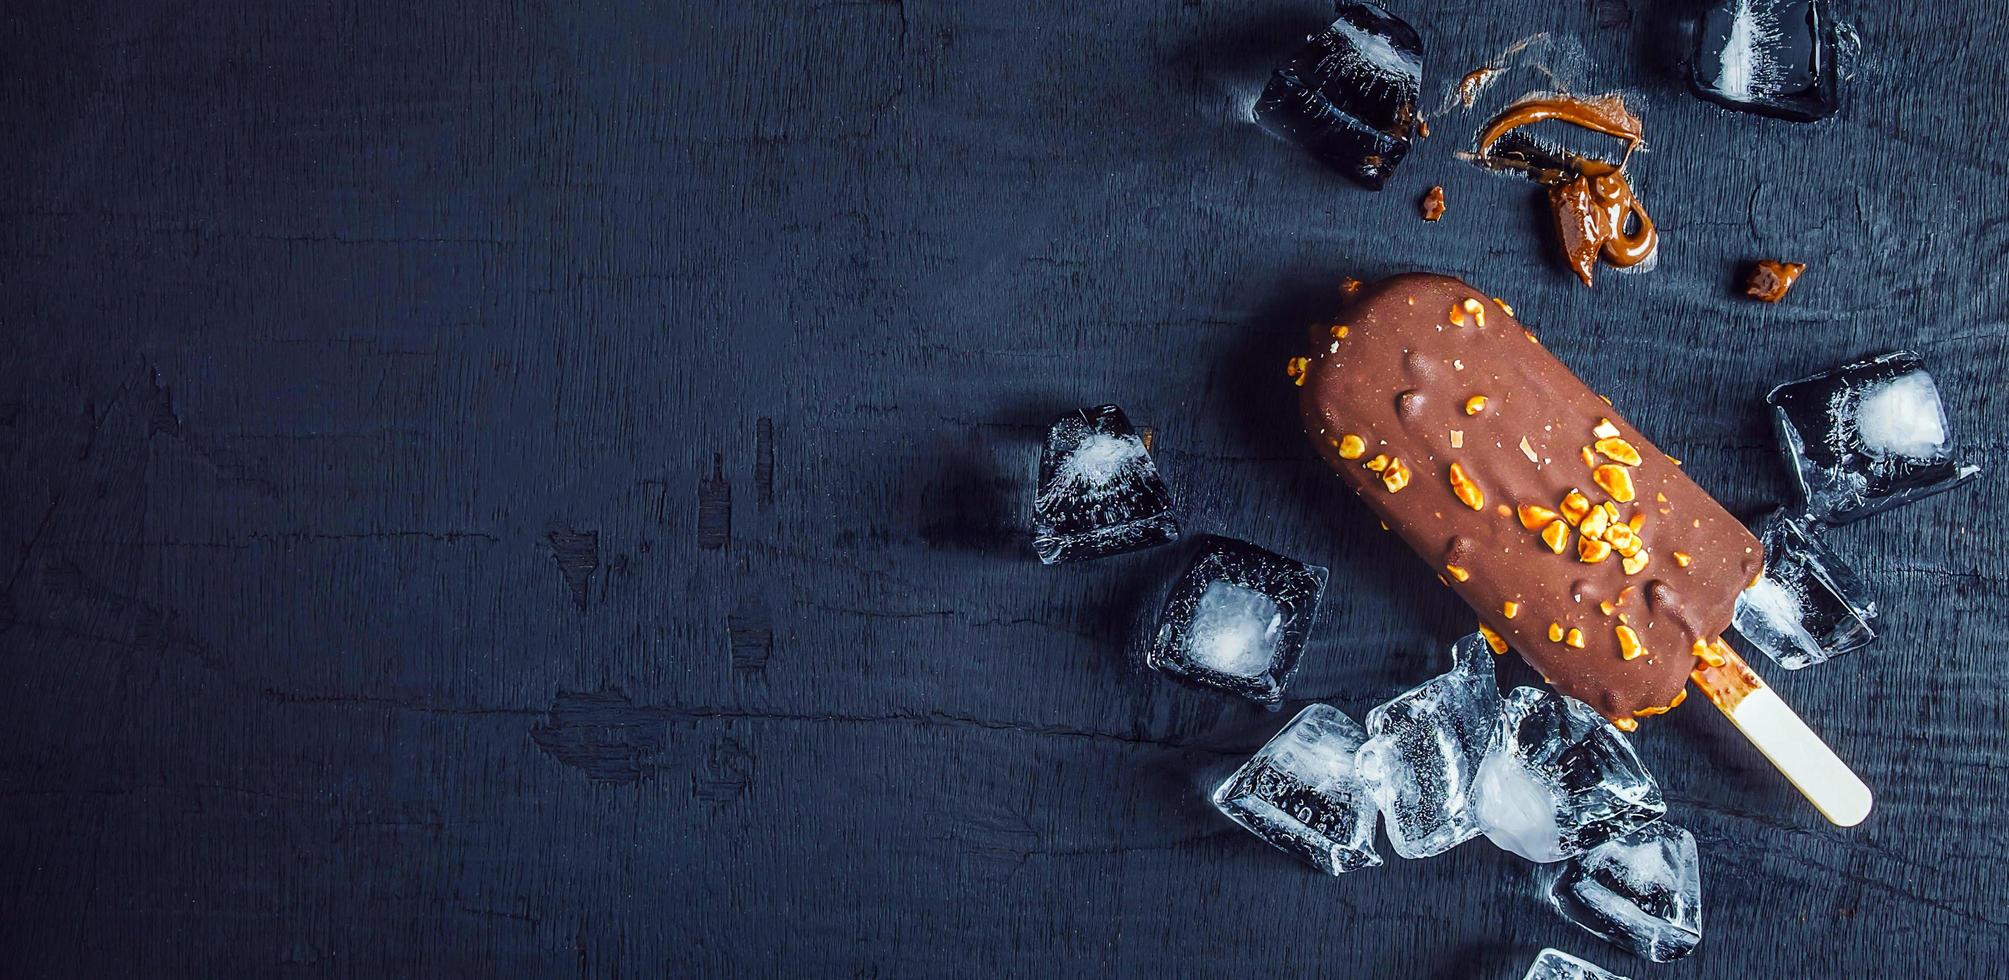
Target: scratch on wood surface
x: 715, y: 507
x: 763, y: 462
x: 750, y: 636
x: 578, y: 556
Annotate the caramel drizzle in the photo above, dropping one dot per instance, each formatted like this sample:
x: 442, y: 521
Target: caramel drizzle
x: 1598, y: 203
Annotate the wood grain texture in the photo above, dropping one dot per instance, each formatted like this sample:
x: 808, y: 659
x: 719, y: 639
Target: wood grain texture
x: 541, y: 488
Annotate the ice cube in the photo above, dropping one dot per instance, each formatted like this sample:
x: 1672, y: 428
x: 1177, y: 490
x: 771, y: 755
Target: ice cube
x: 1561, y: 781
x: 1867, y: 436
x: 1554, y: 964
x: 1099, y: 493
x: 1808, y: 607
x: 1773, y: 57
x: 1302, y: 794
x: 1423, y: 750
x: 1349, y: 95
x: 1642, y: 891
x: 1237, y: 620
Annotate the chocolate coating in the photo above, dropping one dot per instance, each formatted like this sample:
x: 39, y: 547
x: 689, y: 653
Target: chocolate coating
x: 1416, y: 349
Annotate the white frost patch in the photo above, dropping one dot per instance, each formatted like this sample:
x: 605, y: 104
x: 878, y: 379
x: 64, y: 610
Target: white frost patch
x: 1234, y: 630
x: 1098, y: 459
x: 1769, y: 614
x: 1744, y: 70
x: 1903, y: 418
x: 1378, y: 54
x: 1517, y: 810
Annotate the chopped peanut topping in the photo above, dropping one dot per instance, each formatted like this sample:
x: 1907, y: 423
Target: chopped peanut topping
x: 1477, y: 309
x: 1615, y: 480
x: 1529, y: 451
x: 1510, y: 609
x: 1492, y: 639
x: 1574, y: 638
x: 1339, y: 331
x: 1604, y: 429
x: 1555, y: 632
x: 1606, y: 607
x: 1534, y: 517
x: 1467, y: 491
x: 1296, y: 368
x: 1531, y: 337
x: 1626, y: 724
x: 1590, y: 551
x: 1502, y: 304
x: 1610, y: 509
x: 1637, y: 521
x: 1619, y: 451
x: 1633, y: 563
x: 1574, y: 506
x: 1556, y: 536
x: 1681, y: 558
x: 1458, y: 572
x: 1378, y: 463
x: 1475, y: 404
x: 1396, y: 476
x: 1594, y: 525
x: 1351, y: 446
x: 1631, y: 547
x: 1504, y: 510
x: 1349, y: 285
x: 1457, y: 317
x: 1457, y: 438
x: 1589, y: 458
x: 1629, y: 646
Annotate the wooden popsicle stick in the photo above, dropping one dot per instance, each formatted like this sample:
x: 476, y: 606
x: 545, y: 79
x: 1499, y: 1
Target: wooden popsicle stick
x: 1771, y: 725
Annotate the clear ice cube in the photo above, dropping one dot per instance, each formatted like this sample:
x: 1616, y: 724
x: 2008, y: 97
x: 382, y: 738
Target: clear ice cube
x: 1808, y: 607
x: 1099, y: 492
x: 1237, y: 620
x: 1642, y: 892
x: 1349, y: 95
x: 1301, y: 793
x: 1424, y: 748
x: 1772, y: 57
x: 1554, y: 964
x: 1866, y: 437
x: 1561, y: 781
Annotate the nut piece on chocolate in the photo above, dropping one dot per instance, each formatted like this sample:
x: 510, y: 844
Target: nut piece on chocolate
x: 1771, y: 279
x: 1433, y: 204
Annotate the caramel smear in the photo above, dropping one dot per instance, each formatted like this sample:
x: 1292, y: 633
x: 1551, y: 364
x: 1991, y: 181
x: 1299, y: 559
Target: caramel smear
x: 1595, y: 204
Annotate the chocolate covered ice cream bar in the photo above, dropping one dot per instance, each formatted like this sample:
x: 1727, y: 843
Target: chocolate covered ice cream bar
x: 1579, y: 543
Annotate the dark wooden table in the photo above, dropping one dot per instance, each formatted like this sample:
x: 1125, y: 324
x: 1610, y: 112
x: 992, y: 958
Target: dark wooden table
x: 542, y: 488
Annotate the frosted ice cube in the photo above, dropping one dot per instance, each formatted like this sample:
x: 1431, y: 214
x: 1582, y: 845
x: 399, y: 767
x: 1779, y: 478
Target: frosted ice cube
x: 1099, y: 493
x: 1301, y: 793
x: 1237, y: 620
x: 1554, y: 964
x: 1561, y: 781
x: 1642, y: 892
x: 1423, y: 752
x: 1867, y: 436
x: 1234, y: 630
x: 1808, y: 607
x: 1773, y: 57
x: 1349, y: 95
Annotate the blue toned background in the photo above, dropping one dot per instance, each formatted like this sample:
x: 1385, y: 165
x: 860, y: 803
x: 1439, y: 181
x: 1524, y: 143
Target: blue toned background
x: 541, y: 488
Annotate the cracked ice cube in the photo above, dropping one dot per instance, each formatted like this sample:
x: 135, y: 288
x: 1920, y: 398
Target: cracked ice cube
x: 1642, y: 892
x: 1772, y: 57
x: 1237, y: 620
x: 1349, y: 95
x: 1554, y: 964
x: 1562, y: 780
x: 1099, y: 493
x: 1423, y: 752
x: 1808, y: 607
x: 1301, y: 793
x: 1866, y: 437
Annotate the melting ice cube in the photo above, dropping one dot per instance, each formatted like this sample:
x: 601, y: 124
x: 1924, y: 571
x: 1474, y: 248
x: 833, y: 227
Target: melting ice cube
x: 1099, y: 493
x: 1773, y: 57
x: 1808, y: 607
x: 1349, y: 96
x: 1867, y: 436
x: 1642, y: 891
x: 1237, y: 620
x: 1423, y: 752
x: 1562, y: 780
x: 1302, y: 794
x: 1554, y: 964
